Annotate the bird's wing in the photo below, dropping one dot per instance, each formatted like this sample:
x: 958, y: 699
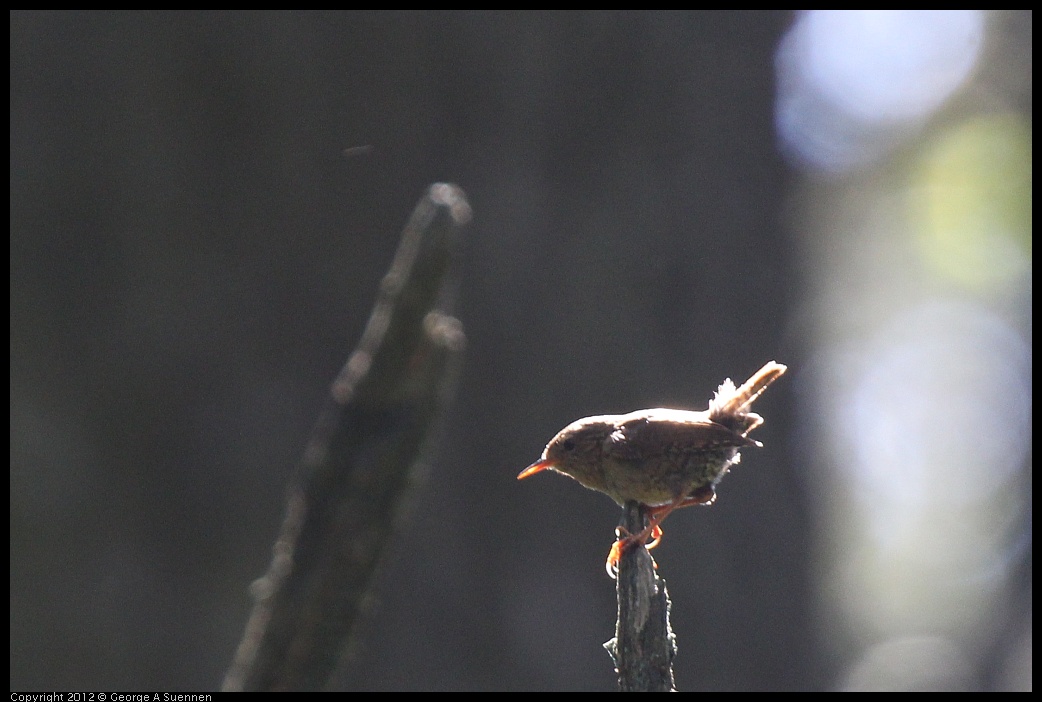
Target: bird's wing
x: 644, y: 435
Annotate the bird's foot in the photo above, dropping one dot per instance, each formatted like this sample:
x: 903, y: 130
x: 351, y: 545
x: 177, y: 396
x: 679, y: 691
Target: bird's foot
x: 624, y: 540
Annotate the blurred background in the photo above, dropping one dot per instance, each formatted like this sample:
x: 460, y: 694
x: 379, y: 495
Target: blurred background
x: 661, y: 200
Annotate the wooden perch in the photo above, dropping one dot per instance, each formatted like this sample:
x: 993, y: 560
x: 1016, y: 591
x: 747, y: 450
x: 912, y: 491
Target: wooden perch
x: 359, y: 462
x: 644, y: 645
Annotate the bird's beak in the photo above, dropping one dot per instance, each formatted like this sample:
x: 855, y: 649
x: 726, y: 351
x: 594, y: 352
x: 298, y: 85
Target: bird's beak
x: 536, y: 467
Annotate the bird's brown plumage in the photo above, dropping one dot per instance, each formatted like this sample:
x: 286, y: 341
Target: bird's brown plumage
x: 662, y: 458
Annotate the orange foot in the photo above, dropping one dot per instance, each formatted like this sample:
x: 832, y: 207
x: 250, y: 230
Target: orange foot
x: 702, y: 496
x: 624, y: 540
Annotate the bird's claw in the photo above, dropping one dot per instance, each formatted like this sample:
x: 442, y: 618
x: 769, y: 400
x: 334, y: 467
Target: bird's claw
x: 624, y: 540
x: 612, y: 564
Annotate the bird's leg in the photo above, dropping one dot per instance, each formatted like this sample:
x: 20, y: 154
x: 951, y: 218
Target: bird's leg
x: 702, y: 496
x: 705, y: 495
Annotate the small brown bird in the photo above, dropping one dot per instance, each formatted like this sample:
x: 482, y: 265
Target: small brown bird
x: 663, y: 458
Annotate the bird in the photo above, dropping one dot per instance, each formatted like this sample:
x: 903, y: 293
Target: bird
x: 664, y: 459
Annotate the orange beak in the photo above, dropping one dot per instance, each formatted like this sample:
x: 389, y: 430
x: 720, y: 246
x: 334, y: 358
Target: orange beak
x: 536, y: 467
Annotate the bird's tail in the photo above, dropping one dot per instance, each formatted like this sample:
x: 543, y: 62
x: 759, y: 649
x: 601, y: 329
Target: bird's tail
x: 730, y: 405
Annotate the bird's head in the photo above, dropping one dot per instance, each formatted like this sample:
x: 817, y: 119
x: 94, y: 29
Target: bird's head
x: 577, y: 451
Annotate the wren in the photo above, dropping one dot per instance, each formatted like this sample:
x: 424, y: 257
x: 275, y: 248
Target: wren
x: 664, y: 459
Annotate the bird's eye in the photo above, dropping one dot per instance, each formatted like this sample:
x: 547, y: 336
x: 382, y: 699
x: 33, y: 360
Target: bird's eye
x: 568, y: 444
